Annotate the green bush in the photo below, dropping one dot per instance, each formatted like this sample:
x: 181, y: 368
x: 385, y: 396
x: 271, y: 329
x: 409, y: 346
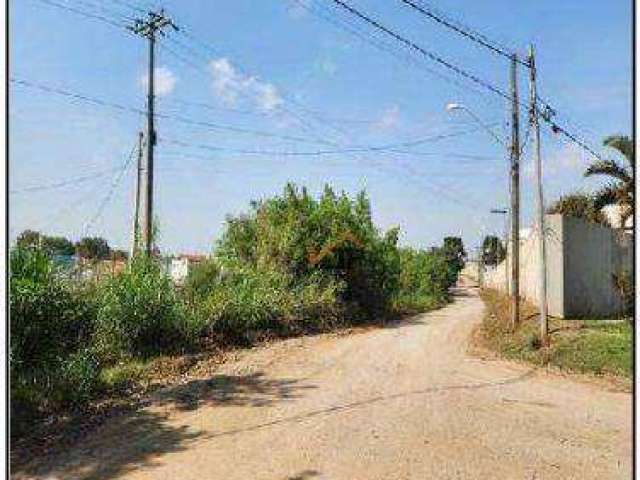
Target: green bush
x: 424, y: 280
x: 202, y: 279
x: 249, y: 301
x: 139, y: 314
x: 51, y: 322
x: 334, y: 235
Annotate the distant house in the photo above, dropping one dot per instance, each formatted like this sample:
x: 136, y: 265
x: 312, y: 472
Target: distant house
x: 179, y: 266
x: 613, y: 213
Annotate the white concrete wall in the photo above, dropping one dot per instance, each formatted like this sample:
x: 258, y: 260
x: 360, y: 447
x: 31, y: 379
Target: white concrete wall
x: 581, y: 259
x: 592, y: 256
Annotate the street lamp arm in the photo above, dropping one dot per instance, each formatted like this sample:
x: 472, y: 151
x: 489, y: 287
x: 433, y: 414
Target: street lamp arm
x: 456, y: 106
x: 486, y: 127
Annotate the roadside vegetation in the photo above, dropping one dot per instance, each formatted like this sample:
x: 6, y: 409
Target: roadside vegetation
x: 293, y: 264
x: 593, y: 346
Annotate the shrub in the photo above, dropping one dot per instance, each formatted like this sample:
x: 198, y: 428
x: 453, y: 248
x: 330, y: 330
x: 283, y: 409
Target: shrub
x: 51, y: 325
x: 249, y: 301
x: 202, y: 279
x: 139, y: 314
x: 424, y: 280
x: 298, y: 235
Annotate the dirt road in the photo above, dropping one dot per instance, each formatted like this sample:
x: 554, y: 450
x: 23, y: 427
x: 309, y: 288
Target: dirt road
x: 393, y: 403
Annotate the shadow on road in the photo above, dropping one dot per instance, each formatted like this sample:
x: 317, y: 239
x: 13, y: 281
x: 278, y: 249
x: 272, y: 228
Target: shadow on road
x: 136, y: 439
x: 254, y: 390
x: 304, y: 475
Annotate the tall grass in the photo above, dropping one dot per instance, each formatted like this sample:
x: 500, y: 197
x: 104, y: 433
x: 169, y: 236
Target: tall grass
x: 140, y: 314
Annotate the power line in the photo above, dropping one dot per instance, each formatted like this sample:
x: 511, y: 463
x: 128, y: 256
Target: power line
x: 181, y: 119
x: 64, y: 183
x: 294, y: 115
x: 445, y: 194
x: 77, y: 96
x: 323, y: 116
x: 464, y: 32
x: 356, y: 149
x: 111, y: 191
x: 436, y: 58
x: 185, y: 120
x: 463, y: 26
x: 404, y: 57
x: 94, y: 16
x: 554, y: 126
x: 109, y: 12
x: 320, y: 140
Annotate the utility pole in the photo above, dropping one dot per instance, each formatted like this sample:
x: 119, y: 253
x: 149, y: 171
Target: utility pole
x: 148, y: 29
x: 515, y: 194
x: 542, y: 266
x: 136, y: 201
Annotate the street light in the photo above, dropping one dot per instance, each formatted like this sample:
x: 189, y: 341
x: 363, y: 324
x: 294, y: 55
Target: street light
x: 452, y: 107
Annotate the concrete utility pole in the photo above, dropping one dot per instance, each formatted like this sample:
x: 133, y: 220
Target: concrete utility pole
x: 135, y: 235
x: 148, y: 29
x: 542, y: 266
x: 515, y: 194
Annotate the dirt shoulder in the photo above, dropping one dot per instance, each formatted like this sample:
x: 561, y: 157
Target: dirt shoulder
x: 401, y: 402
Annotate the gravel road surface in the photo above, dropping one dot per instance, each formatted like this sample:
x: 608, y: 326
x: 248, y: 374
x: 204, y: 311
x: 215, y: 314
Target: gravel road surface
x: 402, y: 402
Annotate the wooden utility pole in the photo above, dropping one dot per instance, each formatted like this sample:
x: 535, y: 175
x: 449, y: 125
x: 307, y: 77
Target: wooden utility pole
x: 515, y: 194
x: 136, y: 201
x: 148, y: 29
x: 542, y: 265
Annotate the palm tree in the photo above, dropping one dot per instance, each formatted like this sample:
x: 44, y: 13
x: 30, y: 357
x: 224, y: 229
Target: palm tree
x: 619, y: 191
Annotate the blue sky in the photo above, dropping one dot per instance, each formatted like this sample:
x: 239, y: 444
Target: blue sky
x: 275, y: 67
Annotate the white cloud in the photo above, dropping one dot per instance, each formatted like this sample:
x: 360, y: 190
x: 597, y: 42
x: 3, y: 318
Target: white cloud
x: 164, y: 80
x: 228, y: 84
x: 389, y: 119
x: 267, y: 96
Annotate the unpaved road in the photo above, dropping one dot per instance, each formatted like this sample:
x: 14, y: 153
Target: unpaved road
x: 393, y: 403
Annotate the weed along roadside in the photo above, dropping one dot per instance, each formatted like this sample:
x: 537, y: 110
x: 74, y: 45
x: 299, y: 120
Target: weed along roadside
x: 595, y: 347
x: 292, y: 265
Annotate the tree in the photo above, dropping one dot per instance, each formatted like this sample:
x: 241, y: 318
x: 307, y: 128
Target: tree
x: 454, y: 251
x: 51, y: 245
x: 619, y: 190
x: 493, y: 251
x: 454, y: 254
x: 93, y: 248
x: 58, y: 245
x: 28, y: 238
x: 579, y: 205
